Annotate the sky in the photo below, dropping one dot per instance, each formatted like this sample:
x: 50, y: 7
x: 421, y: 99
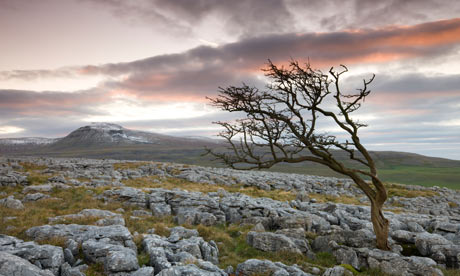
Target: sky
x: 149, y: 65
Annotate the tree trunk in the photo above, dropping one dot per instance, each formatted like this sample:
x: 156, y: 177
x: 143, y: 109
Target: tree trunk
x: 381, y: 225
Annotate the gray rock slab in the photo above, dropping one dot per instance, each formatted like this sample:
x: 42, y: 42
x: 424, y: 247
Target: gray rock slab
x: 14, y: 265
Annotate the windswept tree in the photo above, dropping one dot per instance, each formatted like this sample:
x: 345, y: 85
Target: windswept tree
x: 282, y: 124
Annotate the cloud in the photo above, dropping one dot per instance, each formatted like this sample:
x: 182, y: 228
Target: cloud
x: 23, y: 103
x: 417, y: 83
x: 249, y: 17
x: 405, y: 108
x: 242, y: 17
x: 247, y: 56
x: 198, y: 72
x: 367, y: 45
x: 38, y: 74
x: 338, y: 15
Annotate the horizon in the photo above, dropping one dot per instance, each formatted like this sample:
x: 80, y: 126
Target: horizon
x: 148, y: 65
x: 192, y: 136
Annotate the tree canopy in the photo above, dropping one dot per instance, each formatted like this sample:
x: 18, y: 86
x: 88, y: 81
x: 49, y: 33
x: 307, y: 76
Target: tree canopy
x: 283, y: 122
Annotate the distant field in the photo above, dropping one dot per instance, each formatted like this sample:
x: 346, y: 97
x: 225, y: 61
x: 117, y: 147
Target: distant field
x: 411, y: 175
x: 404, y: 168
x: 425, y: 176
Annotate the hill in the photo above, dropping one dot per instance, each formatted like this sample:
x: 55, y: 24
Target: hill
x: 112, y: 141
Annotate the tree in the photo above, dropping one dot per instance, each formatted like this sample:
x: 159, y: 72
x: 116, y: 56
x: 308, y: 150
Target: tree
x: 281, y: 125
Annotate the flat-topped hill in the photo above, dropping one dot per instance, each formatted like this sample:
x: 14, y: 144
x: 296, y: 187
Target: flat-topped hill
x: 112, y: 141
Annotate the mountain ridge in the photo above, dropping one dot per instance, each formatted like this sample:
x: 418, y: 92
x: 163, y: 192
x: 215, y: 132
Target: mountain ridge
x: 112, y: 141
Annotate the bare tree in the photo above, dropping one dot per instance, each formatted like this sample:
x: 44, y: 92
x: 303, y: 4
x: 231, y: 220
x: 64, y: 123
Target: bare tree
x: 281, y: 125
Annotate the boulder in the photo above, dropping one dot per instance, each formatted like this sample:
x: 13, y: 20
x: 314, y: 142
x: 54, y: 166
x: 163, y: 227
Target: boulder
x: 200, y: 269
x: 44, y: 256
x: 347, y: 256
x: 35, y: 197
x: 337, y: 271
x: 121, y: 261
x: 144, y: 271
x: 12, y: 203
x: 117, y: 234
x: 265, y: 267
x: 271, y: 242
x: 14, y: 265
x: 426, y: 241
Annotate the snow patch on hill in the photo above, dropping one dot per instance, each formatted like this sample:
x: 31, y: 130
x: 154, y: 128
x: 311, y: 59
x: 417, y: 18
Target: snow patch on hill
x: 28, y: 141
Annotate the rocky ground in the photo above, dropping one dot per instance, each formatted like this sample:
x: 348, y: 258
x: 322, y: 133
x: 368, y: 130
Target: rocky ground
x: 75, y: 217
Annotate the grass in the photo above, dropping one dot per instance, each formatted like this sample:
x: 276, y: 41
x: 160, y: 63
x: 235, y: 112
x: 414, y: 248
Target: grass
x: 325, y: 259
x: 173, y: 183
x: 57, y: 241
x: 423, y: 175
x: 233, y: 249
x: 402, y: 191
x: 451, y: 272
x: 161, y: 225
x: 36, y: 178
x: 231, y: 239
x: 37, y: 213
x: 350, y: 268
x: 27, y: 166
x: 128, y: 165
x: 322, y: 198
x: 95, y: 269
x: 143, y: 259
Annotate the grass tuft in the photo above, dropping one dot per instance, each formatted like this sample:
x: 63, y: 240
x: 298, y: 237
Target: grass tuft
x: 402, y: 191
x: 176, y: 183
x: 128, y: 165
x: 322, y: 198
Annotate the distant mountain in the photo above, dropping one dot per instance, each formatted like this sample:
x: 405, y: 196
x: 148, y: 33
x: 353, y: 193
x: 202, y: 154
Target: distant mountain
x: 106, y: 140
x: 112, y: 141
x: 107, y: 135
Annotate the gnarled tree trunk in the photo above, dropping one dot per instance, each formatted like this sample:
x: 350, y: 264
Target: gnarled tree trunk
x: 381, y: 225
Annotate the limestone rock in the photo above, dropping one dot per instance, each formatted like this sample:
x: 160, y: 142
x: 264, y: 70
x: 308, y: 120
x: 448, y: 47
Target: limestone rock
x: 265, y: 267
x: 11, y: 203
x: 13, y: 265
x: 271, y: 242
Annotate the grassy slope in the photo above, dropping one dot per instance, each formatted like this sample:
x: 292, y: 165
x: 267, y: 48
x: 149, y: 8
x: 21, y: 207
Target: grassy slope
x: 406, y: 168
x: 231, y: 239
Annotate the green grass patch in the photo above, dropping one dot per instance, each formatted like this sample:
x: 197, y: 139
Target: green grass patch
x: 95, y: 270
x: 233, y: 248
x: 143, y: 259
x: 424, y: 176
x: 325, y: 259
